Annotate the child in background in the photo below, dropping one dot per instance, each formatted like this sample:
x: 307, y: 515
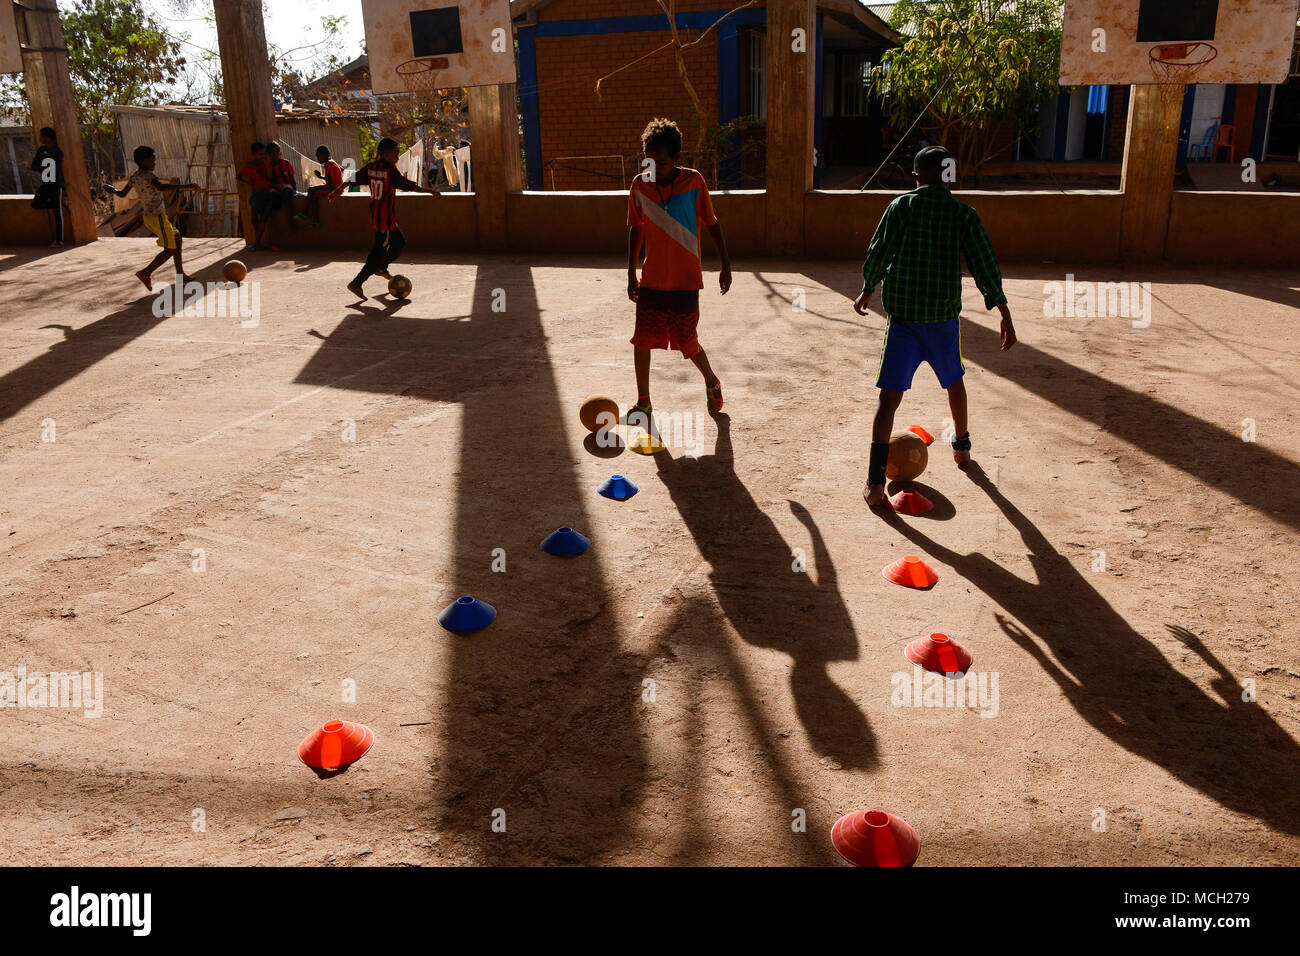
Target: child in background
x: 917, y: 250
x: 149, y: 191
x: 332, y: 176
x: 48, y: 164
x: 254, y: 173
x: 664, y: 211
x: 383, y: 179
x: 283, y: 184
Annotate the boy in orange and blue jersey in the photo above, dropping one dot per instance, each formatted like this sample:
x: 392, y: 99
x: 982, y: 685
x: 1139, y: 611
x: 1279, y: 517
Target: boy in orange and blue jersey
x: 665, y: 208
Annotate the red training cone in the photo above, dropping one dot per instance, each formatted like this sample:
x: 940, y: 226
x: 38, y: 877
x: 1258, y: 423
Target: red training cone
x: 335, y: 744
x: 938, y: 653
x: 911, y: 572
x: 909, y: 501
x: 875, y: 838
x: 922, y: 434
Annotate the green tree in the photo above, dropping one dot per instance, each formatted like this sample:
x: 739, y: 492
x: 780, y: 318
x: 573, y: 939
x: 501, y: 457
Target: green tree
x: 968, y: 66
x: 118, y: 54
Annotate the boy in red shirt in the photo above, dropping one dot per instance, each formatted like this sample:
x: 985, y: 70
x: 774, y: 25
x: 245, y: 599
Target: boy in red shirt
x: 383, y: 180
x: 665, y: 208
x: 333, y: 183
x: 255, y: 175
x: 284, y: 186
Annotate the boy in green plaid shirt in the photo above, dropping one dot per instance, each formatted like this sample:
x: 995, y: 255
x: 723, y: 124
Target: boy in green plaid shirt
x: 917, y: 250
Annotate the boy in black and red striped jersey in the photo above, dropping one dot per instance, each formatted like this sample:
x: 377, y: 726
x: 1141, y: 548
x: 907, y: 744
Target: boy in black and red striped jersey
x: 384, y: 180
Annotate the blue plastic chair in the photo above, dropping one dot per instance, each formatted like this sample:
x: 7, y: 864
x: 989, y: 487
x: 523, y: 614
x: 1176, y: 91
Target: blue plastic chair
x: 1205, y: 148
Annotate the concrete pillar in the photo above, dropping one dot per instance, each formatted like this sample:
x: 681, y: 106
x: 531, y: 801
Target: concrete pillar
x: 53, y: 103
x: 1150, y: 149
x: 791, y: 98
x: 496, y: 169
x: 246, y: 81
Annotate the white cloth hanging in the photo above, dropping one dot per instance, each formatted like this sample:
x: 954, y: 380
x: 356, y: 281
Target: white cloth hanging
x: 447, y: 157
x: 411, y: 163
x: 464, y: 170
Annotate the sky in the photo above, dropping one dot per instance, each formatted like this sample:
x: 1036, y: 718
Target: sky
x: 289, y: 23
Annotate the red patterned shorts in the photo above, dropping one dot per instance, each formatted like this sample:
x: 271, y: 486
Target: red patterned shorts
x: 667, y: 320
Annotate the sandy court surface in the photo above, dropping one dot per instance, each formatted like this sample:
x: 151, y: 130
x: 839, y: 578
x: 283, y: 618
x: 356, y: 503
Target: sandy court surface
x: 299, y: 499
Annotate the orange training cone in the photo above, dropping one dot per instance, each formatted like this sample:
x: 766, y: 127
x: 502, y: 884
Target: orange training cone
x: 922, y: 434
x: 911, y: 572
x: 938, y: 653
x: 875, y: 838
x: 335, y: 744
x: 909, y: 501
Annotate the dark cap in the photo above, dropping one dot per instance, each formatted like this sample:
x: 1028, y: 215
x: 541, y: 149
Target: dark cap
x: 930, y: 159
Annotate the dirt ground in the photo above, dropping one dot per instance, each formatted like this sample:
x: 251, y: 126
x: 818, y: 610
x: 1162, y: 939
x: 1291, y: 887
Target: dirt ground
x: 237, y: 525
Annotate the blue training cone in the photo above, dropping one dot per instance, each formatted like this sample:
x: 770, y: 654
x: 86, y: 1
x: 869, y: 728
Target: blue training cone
x: 618, y: 488
x: 565, y: 541
x: 467, y: 614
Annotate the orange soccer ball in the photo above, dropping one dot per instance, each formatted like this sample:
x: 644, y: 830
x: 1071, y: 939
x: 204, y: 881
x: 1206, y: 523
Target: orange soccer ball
x: 598, y: 412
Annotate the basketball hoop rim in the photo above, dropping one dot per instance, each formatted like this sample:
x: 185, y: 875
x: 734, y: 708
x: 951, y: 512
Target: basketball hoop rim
x: 423, y: 64
x: 1191, y: 45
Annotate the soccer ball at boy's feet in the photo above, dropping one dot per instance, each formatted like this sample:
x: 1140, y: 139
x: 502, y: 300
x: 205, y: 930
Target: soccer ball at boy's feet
x: 234, y: 271
x: 908, y: 457
x: 399, y: 287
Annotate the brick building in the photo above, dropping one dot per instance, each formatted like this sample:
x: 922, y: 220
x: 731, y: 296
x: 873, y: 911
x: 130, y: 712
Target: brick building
x: 578, y: 138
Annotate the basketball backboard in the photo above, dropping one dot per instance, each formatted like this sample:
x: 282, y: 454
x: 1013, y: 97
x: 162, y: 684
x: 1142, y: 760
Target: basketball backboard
x: 1177, y: 41
x: 11, y: 57
x: 417, y: 45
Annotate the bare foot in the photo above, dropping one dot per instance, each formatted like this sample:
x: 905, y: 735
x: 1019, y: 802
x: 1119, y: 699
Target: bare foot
x: 875, y: 495
x: 355, y: 289
x: 384, y: 274
x: 148, y: 283
x: 961, y: 457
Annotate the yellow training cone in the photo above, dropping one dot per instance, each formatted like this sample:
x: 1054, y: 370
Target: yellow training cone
x: 646, y: 444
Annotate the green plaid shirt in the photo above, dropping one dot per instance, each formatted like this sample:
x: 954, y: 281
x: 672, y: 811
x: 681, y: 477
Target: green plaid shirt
x: 917, y: 250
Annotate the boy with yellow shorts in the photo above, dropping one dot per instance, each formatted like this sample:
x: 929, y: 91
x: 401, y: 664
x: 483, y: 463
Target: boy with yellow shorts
x: 149, y: 190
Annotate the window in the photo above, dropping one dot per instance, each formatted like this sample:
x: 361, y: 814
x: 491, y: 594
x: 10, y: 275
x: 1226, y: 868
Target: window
x: 828, y: 84
x: 758, y: 75
x: 855, y: 78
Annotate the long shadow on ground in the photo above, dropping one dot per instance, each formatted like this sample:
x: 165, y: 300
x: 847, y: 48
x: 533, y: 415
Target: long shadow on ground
x: 1210, y: 453
x: 542, y: 706
x: 81, y: 348
x: 767, y: 601
x: 1120, y: 683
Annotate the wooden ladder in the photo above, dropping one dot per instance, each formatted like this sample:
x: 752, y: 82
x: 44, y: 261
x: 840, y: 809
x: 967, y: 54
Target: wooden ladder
x: 212, y: 206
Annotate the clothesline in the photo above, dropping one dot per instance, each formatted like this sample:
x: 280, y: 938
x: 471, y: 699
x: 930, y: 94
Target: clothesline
x: 455, y: 162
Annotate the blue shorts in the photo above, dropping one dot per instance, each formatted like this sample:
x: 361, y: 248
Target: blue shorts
x: 908, y: 344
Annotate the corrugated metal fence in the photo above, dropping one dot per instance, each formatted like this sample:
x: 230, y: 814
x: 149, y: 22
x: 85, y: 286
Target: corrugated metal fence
x: 173, y: 133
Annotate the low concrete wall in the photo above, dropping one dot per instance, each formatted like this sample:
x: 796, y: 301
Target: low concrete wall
x: 1235, y: 228
x: 1231, y: 228
x: 594, y: 222
x: 440, y: 224
x: 1080, y: 226
x: 597, y: 221
x: 21, y: 225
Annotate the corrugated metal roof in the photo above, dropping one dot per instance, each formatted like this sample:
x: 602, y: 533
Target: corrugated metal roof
x: 217, y: 114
